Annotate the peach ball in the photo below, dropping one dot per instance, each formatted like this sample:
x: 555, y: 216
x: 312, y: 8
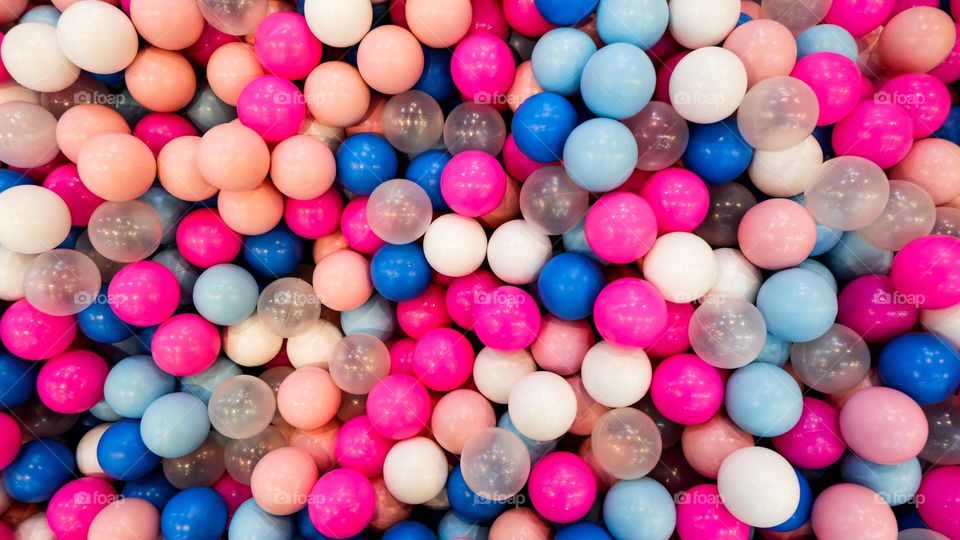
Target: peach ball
x: 116, y: 166
x: 390, y: 59
x: 161, y: 80
x: 336, y: 94
x: 916, y: 40
x: 302, y: 167
x: 168, y: 24
x: 82, y: 122
x: 251, y: 212
x: 230, y: 68
x: 342, y: 280
x: 233, y: 157
x: 179, y: 173
x: 766, y: 48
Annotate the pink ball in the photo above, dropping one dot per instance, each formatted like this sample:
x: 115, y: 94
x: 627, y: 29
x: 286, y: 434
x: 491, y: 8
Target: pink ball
x: 144, y: 293
x: 873, y: 308
x: 879, y: 131
x: 686, y: 389
x: 661, y: 91
x: 701, y: 515
x: 401, y: 356
x: 157, y: 129
x: 928, y: 270
x: 834, y: 79
x: 72, y: 382
x: 185, y: 345
x: 675, y: 337
x: 399, y: 406
x: 286, y: 47
x: 314, y: 218
x: 562, y: 487
x: 271, y: 106
x: 342, y: 503
x: 210, y: 40
x: 859, y: 17
x: 205, y: 240
x: 524, y: 17
x: 814, y: 442
x: 32, y: 334
x: 508, y: 320
x: 473, y: 183
x: 488, y: 17
x: 10, y: 437
x: 462, y: 295
x: 517, y: 164
x: 938, y: 500
x: 777, y: 234
x: 949, y: 70
x: 232, y: 491
x: 356, y: 229
x: 361, y: 448
x: 925, y: 98
x: 883, y: 425
x: 483, y: 68
x: 679, y: 199
x: 630, y: 312
x: 424, y: 313
x: 620, y: 227
x: 561, y: 345
x: 845, y: 511
x: 73, y: 507
x: 443, y: 359
x: 65, y: 182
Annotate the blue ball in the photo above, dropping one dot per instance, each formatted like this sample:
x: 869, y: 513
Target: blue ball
x: 134, y: 383
x: 802, y: 514
x: 225, y: 294
x: 775, y: 351
x: 743, y: 19
x: 436, y: 79
x: 155, y: 489
x: 376, y: 317
x: 817, y: 267
x: 40, y: 468
x: 202, y: 384
x: 896, y: 484
x: 566, y: 12
x: 575, y: 241
x: 600, y: 154
x: 110, y: 79
x: 950, y: 130
x: 922, y: 366
x: 537, y: 449
x: 717, y: 152
x: 827, y: 237
x: 145, y: 337
x: 824, y: 137
x: 274, y: 253
x: 640, y: 509
x: 122, y: 454
x: 409, y: 530
x: 18, y: 380
x: 364, y: 161
x: 558, y: 59
x: 827, y: 38
x: 468, y: 505
x: 70, y: 242
x: 618, y: 81
x: 400, y: 272
x: 99, y: 323
x: 104, y: 412
x: 583, y: 530
x: 541, y: 126
x: 425, y: 170
x: 9, y: 179
x: 797, y: 304
x: 637, y: 22
x: 197, y: 513
x: 175, y: 425
x: 250, y: 522
x: 854, y: 257
x: 763, y: 399
x: 569, y: 284
x: 453, y: 527
x: 170, y: 209
x: 41, y: 14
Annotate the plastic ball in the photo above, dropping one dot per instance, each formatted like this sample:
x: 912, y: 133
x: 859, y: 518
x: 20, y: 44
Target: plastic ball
x: 879, y: 131
x: 562, y: 487
x: 727, y: 334
x: 883, y: 425
x: 41, y: 467
x: 474, y: 126
x: 661, y: 134
x: 198, y: 512
x: 286, y: 47
x: 33, y: 57
x: 241, y: 407
x: 288, y: 306
x: 541, y: 126
x: 123, y: 454
x: 234, y: 17
x: 202, y: 467
x: 551, y: 201
x: 763, y: 399
x: 559, y: 57
x: 73, y: 507
x: 400, y: 211
x: 686, y: 389
x: 626, y: 443
x: 72, y: 382
x: 716, y: 152
x: 926, y: 269
x: 766, y: 48
x: 61, y: 282
x: 110, y: 51
x: 631, y: 503
x: 917, y: 29
x: 398, y: 406
x: 615, y: 376
x: 815, y: 441
x: 271, y: 106
x: 568, y: 286
x: 390, y: 59
x: 35, y: 219
x: 543, y: 405
x: 845, y: 509
x: 777, y: 234
x: 358, y: 362
x: 495, y: 372
x: 499, y: 450
x: 835, y: 362
x: 693, y: 28
x: 797, y: 291
x: 415, y: 470
x: 242, y: 455
x: 600, y: 154
x: 30, y: 334
x: 175, y: 425
x: 922, y: 366
x: 617, y: 82
x: 457, y: 416
x: 339, y: 24
x: 708, y: 85
x: 125, y: 519
x: 466, y: 505
x: 455, y: 245
x: 931, y: 165
x: 620, y: 227
x: 751, y: 475
x: 282, y: 481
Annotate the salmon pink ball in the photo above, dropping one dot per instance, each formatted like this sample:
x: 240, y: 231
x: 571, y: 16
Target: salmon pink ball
x: 316, y: 217
x: 157, y: 129
x: 777, y: 234
x: 185, y: 345
x: 390, y: 59
x: 562, y: 487
x: 483, y: 68
x: 205, y: 240
x: 924, y: 97
x: 561, y: 345
x: 144, y: 293
x: 65, y: 182
x: 116, y: 166
x: 873, y: 308
x: 507, y: 319
x: 464, y: 292
x: 233, y: 157
x: 361, y: 448
x: 271, y: 106
x: 834, y: 79
x: 883, y: 425
x: 928, y: 269
x: 473, y: 183
x: 72, y: 382
x: 879, y: 131
x: 72, y: 508
x: 424, y: 313
x: 620, y: 227
x: 815, y: 442
x: 32, y: 334
x: 356, y: 229
x: 398, y: 406
x: 686, y: 389
x: 443, y: 359
x: 630, y: 312
x: 342, y: 280
x: 679, y: 199
x: 286, y: 47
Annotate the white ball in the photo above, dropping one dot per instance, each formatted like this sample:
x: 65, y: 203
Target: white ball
x: 785, y: 173
x: 33, y: 219
x: 87, y: 452
x: 250, y: 343
x: 11, y: 91
x: 736, y: 277
x: 517, y: 251
x: 616, y: 376
x: 708, y: 85
x: 339, y: 23
x: 695, y: 23
x: 682, y: 267
x: 12, y: 267
x: 455, y: 245
x: 415, y: 470
x: 943, y: 322
x: 35, y: 527
x: 97, y: 37
x: 495, y: 372
x: 314, y: 346
x: 33, y: 58
x: 758, y: 486
x: 542, y: 405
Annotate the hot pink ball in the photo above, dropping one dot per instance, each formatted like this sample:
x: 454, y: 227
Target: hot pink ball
x: 686, y: 389
x: 356, y: 229
x: 361, y: 448
x: 630, y: 312
x: 488, y: 17
x: 561, y: 345
x: 620, y: 227
x: 157, y: 129
x: 814, y: 442
x: 210, y: 40
x: 473, y: 183
x: 32, y: 334
x: 483, y: 68
x: 314, y: 218
x: 873, y: 308
x: 928, y: 269
x: 185, y: 345
x: 65, y: 182
x: 949, y: 70
x: 463, y: 292
x: 72, y: 382
x: 562, y: 487
x: 144, y: 293
x: 9, y: 440
x: 938, y: 500
x: 661, y: 91
x: 846, y: 511
x: 342, y: 503
x: 879, y: 131
x: 834, y: 79
x: 205, y: 240
x: 399, y: 406
x: 443, y: 359
x: 271, y: 106
x: 508, y: 320
x: 925, y: 98
x: 286, y: 47
x: 73, y: 507
x: 232, y: 491
x: 424, y: 313
x: 675, y: 337
x: 883, y: 425
x: 701, y: 515
x: 401, y: 356
x: 517, y: 164
x: 524, y: 17
x: 679, y: 199
x: 859, y: 17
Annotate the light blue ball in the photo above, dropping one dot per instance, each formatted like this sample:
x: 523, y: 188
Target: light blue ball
x: 42, y: 14
x: 558, y: 59
x: 827, y: 38
x: 763, y: 399
x: 640, y: 509
x: 816, y: 266
x: 103, y: 411
x: 600, y: 154
x: 853, y: 257
x: 225, y: 294
x: 575, y: 241
x: 175, y: 425
x: 250, y: 522
x: 827, y: 237
x: 775, y: 351
x: 637, y: 22
x: 134, y: 383
x: 452, y: 527
x: 618, y: 81
x: 797, y: 304
x: 897, y: 484
x: 376, y: 317
x: 203, y: 383
x: 537, y: 449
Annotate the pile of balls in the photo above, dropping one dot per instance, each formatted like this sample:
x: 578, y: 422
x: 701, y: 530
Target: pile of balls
x: 505, y: 269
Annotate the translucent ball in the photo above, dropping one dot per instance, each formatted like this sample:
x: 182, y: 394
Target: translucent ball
x: 125, y: 231
x: 234, y: 17
x: 778, y: 113
x: 835, y: 362
x: 551, y: 201
x: 399, y: 211
x: 61, y: 282
x: 474, y: 126
x: 28, y: 134
x: 358, y: 362
x: 943, y: 442
x: 948, y: 221
x: 288, y: 306
x: 848, y: 193
x: 241, y: 407
x: 107, y: 267
x: 202, y: 467
x: 661, y: 135
x: 495, y: 464
x: 727, y: 332
x: 626, y: 443
x: 797, y: 15
x: 909, y: 214
x: 412, y: 121
x: 242, y: 455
